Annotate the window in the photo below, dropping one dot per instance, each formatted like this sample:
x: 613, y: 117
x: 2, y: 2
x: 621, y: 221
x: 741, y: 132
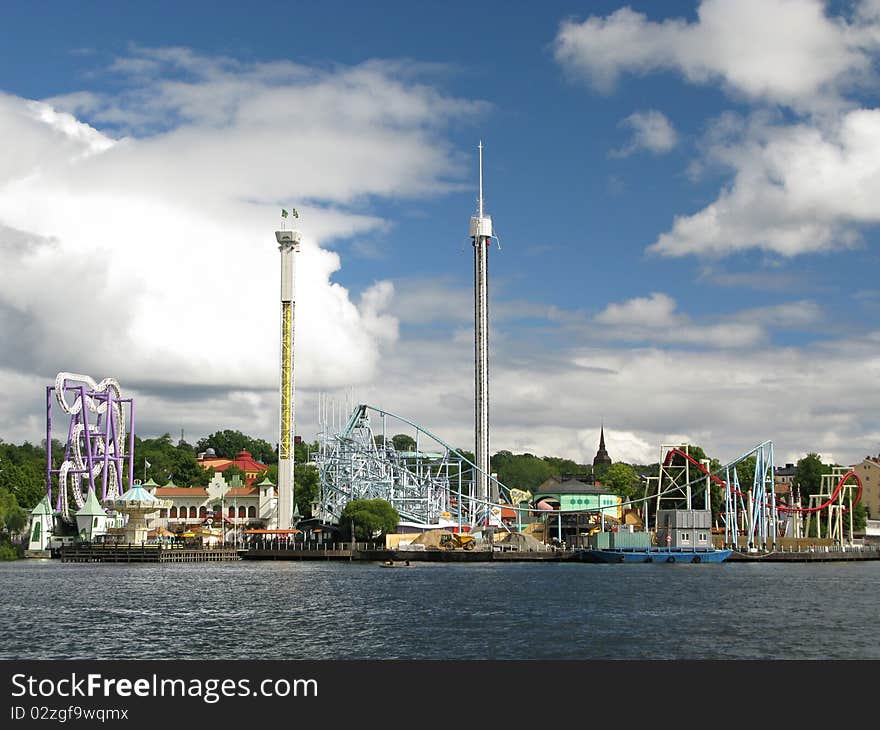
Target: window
x: 685, y: 537
x: 95, y: 523
x: 192, y: 511
x: 203, y: 511
x: 35, y: 535
x: 252, y: 511
x: 173, y: 512
x: 163, y: 513
x: 231, y: 512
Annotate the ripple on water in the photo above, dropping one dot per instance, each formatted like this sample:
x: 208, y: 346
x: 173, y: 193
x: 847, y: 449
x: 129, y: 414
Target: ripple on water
x: 360, y: 611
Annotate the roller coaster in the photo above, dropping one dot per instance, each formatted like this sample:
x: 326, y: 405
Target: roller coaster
x: 756, y: 514
x: 96, y: 455
x: 432, y: 484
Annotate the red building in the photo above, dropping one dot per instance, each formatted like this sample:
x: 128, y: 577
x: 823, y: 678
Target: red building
x: 243, y: 460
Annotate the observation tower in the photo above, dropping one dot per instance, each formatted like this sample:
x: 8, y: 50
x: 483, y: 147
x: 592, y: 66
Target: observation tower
x: 288, y: 245
x: 481, y: 237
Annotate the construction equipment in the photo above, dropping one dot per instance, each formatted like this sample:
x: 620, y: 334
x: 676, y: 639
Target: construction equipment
x: 455, y: 541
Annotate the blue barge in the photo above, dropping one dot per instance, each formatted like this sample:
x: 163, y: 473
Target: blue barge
x: 682, y: 536
x: 654, y: 555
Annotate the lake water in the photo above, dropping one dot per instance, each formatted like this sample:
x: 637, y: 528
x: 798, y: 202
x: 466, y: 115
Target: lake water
x: 313, y: 610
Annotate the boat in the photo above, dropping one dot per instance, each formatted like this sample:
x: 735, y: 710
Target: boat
x: 681, y: 536
x: 654, y: 555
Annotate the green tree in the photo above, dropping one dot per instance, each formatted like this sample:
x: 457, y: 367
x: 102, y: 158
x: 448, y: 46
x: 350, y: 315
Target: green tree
x: 860, y: 517
x: 302, y: 452
x: 306, y: 486
x: 232, y: 471
x: 402, y: 442
x: 808, y: 475
x: 25, y: 481
x: 567, y: 466
x: 624, y: 480
x: 23, y: 470
x: 166, y: 461
x: 13, y: 519
x: 520, y: 471
x: 229, y: 442
x: 370, y: 517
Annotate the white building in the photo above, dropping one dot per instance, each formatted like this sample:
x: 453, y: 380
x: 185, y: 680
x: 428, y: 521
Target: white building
x: 91, y: 519
x: 42, y: 522
x: 241, y: 506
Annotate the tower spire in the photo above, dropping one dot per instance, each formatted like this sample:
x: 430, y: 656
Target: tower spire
x: 481, y: 236
x: 602, y: 456
x: 480, y: 209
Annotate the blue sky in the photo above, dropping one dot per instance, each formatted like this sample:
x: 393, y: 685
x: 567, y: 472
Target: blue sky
x: 678, y: 190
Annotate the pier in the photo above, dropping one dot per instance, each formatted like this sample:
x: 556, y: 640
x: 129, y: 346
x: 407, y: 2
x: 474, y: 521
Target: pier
x: 96, y: 553
x: 818, y: 555
x: 363, y: 552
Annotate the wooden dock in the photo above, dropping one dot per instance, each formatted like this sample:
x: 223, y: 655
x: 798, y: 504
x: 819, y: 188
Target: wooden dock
x: 88, y: 553
x: 806, y: 556
x: 399, y: 556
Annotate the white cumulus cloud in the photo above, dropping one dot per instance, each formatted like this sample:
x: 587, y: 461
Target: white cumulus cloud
x: 783, y: 51
x: 136, y: 230
x: 651, y: 131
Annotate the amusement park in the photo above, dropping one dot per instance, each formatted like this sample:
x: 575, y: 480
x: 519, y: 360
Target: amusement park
x: 447, y: 505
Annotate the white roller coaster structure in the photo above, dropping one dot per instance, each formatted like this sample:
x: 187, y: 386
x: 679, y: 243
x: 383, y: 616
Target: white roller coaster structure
x: 431, y: 485
x: 94, y: 448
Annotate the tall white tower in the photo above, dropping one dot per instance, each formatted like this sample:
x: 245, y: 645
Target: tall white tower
x: 288, y: 244
x: 481, y: 235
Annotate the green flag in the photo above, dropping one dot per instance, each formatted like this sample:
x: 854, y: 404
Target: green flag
x: 284, y: 213
x: 295, y: 214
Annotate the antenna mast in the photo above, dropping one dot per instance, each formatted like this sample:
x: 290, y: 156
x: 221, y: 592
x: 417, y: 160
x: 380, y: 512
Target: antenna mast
x: 481, y: 236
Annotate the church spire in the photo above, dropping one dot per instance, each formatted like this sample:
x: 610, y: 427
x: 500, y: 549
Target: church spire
x: 601, y: 455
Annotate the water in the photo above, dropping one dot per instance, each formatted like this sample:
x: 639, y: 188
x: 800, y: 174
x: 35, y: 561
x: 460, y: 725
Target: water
x: 312, y: 610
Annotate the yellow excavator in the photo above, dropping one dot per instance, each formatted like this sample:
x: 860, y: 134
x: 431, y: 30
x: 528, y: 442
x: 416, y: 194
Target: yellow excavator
x: 457, y: 540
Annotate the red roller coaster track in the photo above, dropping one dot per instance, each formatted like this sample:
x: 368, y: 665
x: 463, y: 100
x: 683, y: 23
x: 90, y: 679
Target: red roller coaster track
x: 671, y: 454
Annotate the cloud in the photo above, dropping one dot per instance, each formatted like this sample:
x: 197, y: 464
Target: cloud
x: 655, y: 319
x: 802, y: 398
x: 139, y: 226
x: 781, y: 51
x: 801, y: 183
x: 796, y: 188
x: 651, y: 131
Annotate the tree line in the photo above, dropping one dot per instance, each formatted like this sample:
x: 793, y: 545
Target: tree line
x: 23, y: 471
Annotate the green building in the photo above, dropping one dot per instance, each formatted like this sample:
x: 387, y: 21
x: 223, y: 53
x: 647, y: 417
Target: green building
x: 572, y: 494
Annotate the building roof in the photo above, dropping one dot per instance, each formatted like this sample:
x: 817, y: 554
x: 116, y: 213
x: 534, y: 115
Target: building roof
x: 209, y: 462
x: 242, y: 492
x: 266, y: 482
x: 92, y: 507
x: 572, y: 486
x: 136, y: 494
x: 43, y: 507
x: 181, y: 492
x: 601, y: 455
x: 244, y: 460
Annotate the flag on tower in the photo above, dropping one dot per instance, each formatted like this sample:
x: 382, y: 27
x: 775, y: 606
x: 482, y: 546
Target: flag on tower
x: 284, y: 213
x: 295, y: 214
